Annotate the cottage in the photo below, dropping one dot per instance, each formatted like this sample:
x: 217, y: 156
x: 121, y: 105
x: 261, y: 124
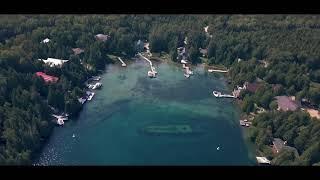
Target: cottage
x: 252, y: 87
x: 102, y: 37
x: 286, y: 103
x: 313, y: 113
x: 47, y: 78
x: 77, y: 51
x: 204, y: 52
x: 54, y: 62
x: 279, y: 144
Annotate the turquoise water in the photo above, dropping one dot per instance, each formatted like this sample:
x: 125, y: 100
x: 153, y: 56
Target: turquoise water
x: 108, y: 130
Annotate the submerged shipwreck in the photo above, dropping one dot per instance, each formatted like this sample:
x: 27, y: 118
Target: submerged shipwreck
x: 171, y: 129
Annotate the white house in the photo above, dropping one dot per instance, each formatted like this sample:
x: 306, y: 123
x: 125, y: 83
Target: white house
x: 54, y: 62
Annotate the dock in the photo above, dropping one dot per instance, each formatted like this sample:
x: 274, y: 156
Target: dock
x: 153, y: 71
x: 122, y: 63
x: 218, y: 70
x: 220, y: 95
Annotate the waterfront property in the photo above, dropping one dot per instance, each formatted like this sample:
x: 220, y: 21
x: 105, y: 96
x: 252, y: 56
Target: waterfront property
x: 279, y: 145
x: 286, y: 103
x: 54, y: 62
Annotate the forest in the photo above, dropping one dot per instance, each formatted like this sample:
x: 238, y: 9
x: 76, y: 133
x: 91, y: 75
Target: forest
x: 290, y: 45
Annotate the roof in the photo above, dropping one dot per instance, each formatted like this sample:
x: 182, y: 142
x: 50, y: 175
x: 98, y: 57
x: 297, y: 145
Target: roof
x: 314, y: 113
x: 252, y: 87
x: 102, y: 37
x: 46, y: 40
x: 285, y: 103
x: 54, y: 62
x: 77, y: 51
x: 47, y: 78
x: 278, y: 144
x: 203, y: 51
x: 263, y: 160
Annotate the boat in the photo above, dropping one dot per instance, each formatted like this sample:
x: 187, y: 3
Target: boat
x: 73, y: 135
x: 60, y: 122
x: 242, y: 123
x: 151, y: 74
x: 97, y: 85
x: 90, y: 96
x: 96, y: 78
x: 210, y: 70
x: 187, y: 75
x: 247, y: 125
x: 184, y: 61
x: 218, y: 148
x: 216, y: 93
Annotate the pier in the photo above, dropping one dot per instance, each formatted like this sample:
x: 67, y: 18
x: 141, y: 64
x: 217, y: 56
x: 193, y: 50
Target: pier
x: 220, y: 95
x: 153, y: 71
x: 218, y: 70
x: 123, y: 64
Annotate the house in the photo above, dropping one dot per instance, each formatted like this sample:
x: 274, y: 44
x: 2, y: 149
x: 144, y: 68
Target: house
x: 47, y: 78
x: 279, y: 145
x: 252, y: 87
x: 286, y: 103
x: 77, y: 51
x: 313, y: 113
x: 263, y: 160
x: 204, y: 52
x: 54, y: 62
x: 102, y: 37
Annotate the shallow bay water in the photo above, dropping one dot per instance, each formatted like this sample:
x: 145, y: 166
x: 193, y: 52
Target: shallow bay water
x: 108, y: 130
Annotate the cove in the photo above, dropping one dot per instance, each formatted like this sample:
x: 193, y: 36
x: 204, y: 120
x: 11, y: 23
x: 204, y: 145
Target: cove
x: 110, y: 128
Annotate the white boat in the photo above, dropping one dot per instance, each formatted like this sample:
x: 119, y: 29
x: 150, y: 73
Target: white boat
x: 218, y: 148
x: 60, y: 122
x: 184, y: 61
x: 97, y: 85
x: 151, y: 74
x: 96, y: 78
x: 216, y: 93
x: 90, y: 96
x: 245, y: 120
x: 247, y: 125
x: 73, y: 136
x: 187, y: 75
x: 210, y: 70
x: 123, y: 65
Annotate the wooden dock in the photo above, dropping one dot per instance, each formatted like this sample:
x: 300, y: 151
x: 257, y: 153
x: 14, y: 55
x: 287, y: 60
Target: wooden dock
x: 122, y: 63
x: 218, y: 70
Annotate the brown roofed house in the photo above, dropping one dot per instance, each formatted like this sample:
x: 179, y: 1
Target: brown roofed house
x: 77, y: 51
x: 286, y: 103
x: 252, y: 87
x: 102, y: 37
x: 204, y: 52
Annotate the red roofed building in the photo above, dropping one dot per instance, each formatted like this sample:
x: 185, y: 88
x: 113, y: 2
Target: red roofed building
x: 47, y: 78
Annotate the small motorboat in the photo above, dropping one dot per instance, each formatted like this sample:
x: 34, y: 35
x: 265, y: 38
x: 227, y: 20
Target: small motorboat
x: 216, y: 93
x: 218, y: 148
x: 187, y: 75
x: 73, y: 135
x: 90, y: 96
